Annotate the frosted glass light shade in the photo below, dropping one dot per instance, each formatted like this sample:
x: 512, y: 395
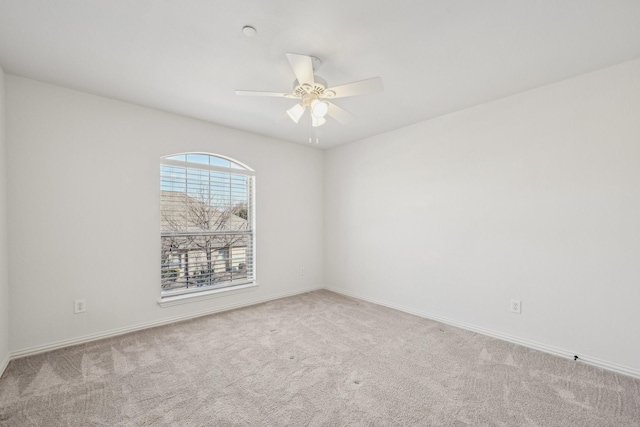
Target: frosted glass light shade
x: 319, y: 108
x: 317, y: 121
x: 296, y: 112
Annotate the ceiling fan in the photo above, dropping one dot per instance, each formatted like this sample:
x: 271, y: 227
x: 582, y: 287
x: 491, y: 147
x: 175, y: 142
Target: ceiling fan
x: 312, y: 92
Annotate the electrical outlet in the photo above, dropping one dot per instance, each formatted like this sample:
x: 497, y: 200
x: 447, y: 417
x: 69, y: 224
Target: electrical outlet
x: 80, y: 306
x: 302, y: 271
x: 516, y: 306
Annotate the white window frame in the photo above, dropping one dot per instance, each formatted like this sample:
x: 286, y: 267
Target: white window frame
x: 191, y: 293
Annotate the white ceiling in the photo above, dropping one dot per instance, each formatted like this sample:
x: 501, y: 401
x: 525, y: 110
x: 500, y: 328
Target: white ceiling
x: 434, y: 57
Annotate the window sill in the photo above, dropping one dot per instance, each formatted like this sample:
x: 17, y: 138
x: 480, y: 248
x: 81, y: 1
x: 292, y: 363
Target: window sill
x: 169, y: 301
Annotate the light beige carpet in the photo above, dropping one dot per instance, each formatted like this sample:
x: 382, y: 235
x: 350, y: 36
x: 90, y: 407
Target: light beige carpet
x: 317, y: 359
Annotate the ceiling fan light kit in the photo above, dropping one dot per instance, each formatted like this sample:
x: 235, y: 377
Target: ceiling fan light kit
x: 312, y: 92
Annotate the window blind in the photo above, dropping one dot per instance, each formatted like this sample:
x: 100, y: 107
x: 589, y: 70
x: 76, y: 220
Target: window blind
x: 206, y: 221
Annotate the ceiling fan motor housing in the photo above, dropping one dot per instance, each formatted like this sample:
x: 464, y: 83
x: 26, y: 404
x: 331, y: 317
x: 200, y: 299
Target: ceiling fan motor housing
x: 318, y: 88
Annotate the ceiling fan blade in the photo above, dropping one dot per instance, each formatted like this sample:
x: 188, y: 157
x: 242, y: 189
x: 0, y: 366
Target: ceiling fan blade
x: 260, y: 93
x: 302, y: 68
x: 361, y: 87
x: 342, y: 116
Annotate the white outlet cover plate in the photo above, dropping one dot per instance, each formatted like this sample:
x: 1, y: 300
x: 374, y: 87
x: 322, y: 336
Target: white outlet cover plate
x: 80, y: 306
x: 516, y: 306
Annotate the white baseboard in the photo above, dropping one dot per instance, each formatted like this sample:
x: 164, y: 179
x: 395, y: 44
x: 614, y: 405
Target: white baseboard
x: 610, y: 366
x: 121, y: 331
x: 4, y: 364
x: 505, y: 337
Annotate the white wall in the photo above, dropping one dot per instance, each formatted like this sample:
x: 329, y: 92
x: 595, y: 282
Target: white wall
x: 534, y: 197
x: 4, y: 274
x: 84, y: 211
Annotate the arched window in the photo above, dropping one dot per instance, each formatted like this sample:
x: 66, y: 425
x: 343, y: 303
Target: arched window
x: 207, y: 223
